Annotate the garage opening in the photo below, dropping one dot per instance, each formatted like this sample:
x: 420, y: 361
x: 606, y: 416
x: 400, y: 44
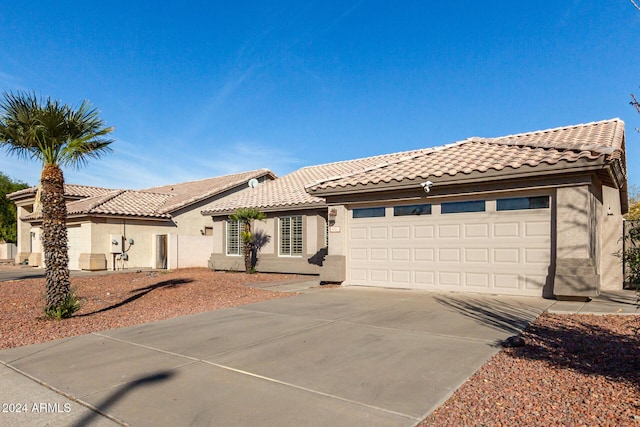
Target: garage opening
x: 500, y: 245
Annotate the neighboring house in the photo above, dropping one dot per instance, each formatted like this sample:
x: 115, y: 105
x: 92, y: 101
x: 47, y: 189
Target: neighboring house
x: 538, y: 213
x: 158, y: 227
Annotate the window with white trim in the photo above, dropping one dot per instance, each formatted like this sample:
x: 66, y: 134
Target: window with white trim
x: 290, y: 236
x: 234, y: 246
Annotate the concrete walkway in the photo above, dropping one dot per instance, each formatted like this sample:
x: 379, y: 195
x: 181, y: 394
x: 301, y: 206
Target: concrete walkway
x: 328, y: 357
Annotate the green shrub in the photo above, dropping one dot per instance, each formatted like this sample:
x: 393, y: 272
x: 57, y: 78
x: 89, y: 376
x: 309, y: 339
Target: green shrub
x: 70, y: 305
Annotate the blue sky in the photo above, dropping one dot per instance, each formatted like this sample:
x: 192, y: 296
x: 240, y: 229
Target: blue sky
x: 199, y: 89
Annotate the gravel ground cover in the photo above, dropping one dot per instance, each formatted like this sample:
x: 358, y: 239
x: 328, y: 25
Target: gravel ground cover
x: 125, y: 299
x: 574, y: 370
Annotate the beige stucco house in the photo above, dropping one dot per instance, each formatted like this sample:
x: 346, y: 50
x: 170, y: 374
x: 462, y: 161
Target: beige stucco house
x: 159, y: 227
x: 538, y: 213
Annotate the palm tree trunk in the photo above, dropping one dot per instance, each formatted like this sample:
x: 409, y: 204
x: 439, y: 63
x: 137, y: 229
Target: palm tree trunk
x: 54, y: 236
x: 247, y: 248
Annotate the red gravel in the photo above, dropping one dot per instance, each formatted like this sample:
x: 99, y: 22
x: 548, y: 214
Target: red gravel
x: 125, y: 299
x: 575, y: 370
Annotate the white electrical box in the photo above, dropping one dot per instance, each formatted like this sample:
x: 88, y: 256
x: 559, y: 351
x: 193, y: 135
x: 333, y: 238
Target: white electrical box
x: 116, y: 242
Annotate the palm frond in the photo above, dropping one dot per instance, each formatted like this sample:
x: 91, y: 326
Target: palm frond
x: 50, y: 131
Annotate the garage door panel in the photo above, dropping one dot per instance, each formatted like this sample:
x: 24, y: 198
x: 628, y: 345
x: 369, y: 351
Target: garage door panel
x: 476, y: 280
x: 401, y: 277
x: 533, y: 229
x: 506, y: 281
x: 378, y: 275
x: 424, y: 277
x: 473, y: 231
x: 358, y: 275
x: 507, y: 229
x: 506, y: 255
x: 449, y: 278
x: 535, y: 283
x: 423, y: 254
x: 378, y: 232
x: 491, y: 252
x: 401, y: 254
x: 449, y: 255
x: 423, y: 231
x: 358, y: 254
x: 403, y: 232
x: 532, y: 256
x: 449, y: 231
x: 358, y: 233
x: 476, y: 255
x: 379, y: 254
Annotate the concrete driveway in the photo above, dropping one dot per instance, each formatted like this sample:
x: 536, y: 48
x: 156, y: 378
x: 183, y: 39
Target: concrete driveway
x: 334, y: 357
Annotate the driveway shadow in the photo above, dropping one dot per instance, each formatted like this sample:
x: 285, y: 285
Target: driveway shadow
x: 510, y: 318
x: 119, y: 394
x: 568, y: 343
x: 139, y: 293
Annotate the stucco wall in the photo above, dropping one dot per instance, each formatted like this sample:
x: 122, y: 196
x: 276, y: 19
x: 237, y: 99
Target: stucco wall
x: 268, y: 258
x: 191, y: 251
x: 573, y: 213
x: 142, y: 232
x: 611, y: 277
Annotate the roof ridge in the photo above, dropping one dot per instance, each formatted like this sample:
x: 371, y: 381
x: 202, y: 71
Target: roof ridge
x: 361, y: 158
x: 104, y: 199
x: 416, y: 154
x: 556, y: 129
x: 255, y: 171
x: 90, y: 186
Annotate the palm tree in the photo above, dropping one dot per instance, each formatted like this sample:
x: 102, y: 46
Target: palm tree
x: 246, y: 216
x: 57, y: 135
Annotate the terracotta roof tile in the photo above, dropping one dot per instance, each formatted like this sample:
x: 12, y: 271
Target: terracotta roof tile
x: 71, y: 190
x: 159, y: 202
x: 591, y: 141
x: 122, y: 202
x: 187, y: 193
x: 588, y: 141
x: 288, y: 192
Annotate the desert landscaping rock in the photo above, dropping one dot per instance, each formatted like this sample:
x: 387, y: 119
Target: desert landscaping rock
x: 575, y: 370
x: 125, y: 299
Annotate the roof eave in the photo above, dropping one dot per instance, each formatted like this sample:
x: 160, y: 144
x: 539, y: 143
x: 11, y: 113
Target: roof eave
x: 270, y: 209
x: 524, y: 171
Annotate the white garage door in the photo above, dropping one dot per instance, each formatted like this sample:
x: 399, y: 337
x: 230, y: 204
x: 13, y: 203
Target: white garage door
x: 73, y: 236
x: 502, y: 247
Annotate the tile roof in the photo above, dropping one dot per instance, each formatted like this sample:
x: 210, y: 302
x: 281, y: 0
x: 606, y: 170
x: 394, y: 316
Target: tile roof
x: 71, y: 190
x: 122, y: 202
x: 187, y: 193
x: 590, y: 141
x: 160, y: 202
x: 288, y: 192
x: 594, y: 141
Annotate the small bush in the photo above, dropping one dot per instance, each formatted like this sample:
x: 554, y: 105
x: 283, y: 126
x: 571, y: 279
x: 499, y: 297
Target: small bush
x: 70, y: 305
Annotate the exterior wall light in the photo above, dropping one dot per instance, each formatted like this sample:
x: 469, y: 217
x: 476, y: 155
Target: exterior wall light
x: 333, y: 213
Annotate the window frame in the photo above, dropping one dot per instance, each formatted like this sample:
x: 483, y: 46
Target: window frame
x: 372, y: 210
x: 428, y: 209
x: 462, y: 203
x: 294, y: 242
x: 236, y: 235
x: 529, y: 200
